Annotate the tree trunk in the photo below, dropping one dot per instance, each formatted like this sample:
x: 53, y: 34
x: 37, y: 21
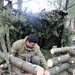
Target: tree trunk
x: 63, y: 49
x: 60, y: 4
x: 54, y: 61
x: 57, y: 69
x: 66, y: 4
x: 8, y: 39
x: 26, y: 66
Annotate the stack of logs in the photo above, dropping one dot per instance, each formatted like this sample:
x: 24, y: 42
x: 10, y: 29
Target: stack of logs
x: 57, y: 65
x: 64, y: 62
x: 26, y: 66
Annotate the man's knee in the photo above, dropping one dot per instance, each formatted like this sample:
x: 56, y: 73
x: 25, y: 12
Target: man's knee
x: 35, y: 60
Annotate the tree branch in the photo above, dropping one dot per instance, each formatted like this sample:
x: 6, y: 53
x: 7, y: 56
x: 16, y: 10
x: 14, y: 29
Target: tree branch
x: 70, y: 6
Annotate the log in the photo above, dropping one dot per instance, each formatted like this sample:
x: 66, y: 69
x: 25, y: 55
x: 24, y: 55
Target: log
x: 63, y: 49
x: 4, y: 66
x: 16, y: 71
x: 54, y: 61
x: 1, y: 60
x: 71, y: 60
x: 71, y: 71
x: 26, y: 66
x: 72, y: 52
x: 57, y: 69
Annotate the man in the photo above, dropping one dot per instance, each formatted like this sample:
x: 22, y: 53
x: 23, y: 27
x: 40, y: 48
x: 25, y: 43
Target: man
x: 28, y: 50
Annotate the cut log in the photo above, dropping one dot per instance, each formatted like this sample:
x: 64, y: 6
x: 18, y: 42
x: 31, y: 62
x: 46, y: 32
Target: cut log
x: 17, y: 71
x: 26, y: 66
x: 57, y: 69
x: 35, y: 69
x: 54, y: 61
x: 63, y: 49
x: 71, y: 71
x: 4, y: 66
x: 71, y: 60
x: 72, y: 52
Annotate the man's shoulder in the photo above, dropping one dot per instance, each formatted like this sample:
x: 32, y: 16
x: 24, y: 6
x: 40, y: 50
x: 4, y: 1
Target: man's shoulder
x: 19, y: 42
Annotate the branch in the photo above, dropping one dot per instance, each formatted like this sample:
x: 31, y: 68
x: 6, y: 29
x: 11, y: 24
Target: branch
x: 70, y: 6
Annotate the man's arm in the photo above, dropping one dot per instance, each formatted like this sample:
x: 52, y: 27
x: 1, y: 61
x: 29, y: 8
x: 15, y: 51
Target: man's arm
x: 42, y: 59
x: 14, y: 49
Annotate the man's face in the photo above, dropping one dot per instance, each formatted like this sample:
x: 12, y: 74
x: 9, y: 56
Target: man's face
x: 30, y: 44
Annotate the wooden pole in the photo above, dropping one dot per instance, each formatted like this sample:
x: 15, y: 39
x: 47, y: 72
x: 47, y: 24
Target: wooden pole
x: 63, y: 49
x: 26, y: 66
x: 54, y: 61
x: 57, y: 69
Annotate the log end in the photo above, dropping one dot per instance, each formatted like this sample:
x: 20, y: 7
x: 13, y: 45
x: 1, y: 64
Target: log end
x: 52, y: 51
x: 72, y: 60
x: 47, y: 73
x: 40, y: 71
x: 49, y: 63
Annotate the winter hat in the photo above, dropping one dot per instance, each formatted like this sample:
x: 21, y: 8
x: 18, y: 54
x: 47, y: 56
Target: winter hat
x: 32, y: 38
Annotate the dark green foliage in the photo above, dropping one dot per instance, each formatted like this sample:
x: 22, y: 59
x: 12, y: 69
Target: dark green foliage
x: 46, y: 54
x: 49, y: 26
x: 20, y: 30
x: 67, y: 37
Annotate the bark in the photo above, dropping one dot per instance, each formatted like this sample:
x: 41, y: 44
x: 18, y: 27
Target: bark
x: 56, y: 60
x: 57, y: 69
